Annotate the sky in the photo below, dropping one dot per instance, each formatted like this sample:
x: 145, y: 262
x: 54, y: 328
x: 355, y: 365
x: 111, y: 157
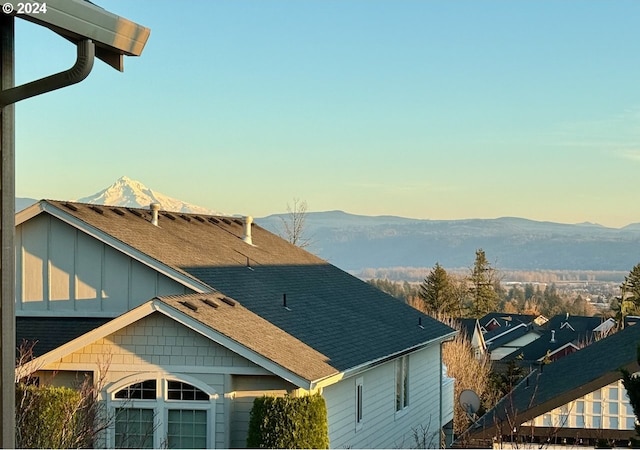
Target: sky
x: 431, y: 109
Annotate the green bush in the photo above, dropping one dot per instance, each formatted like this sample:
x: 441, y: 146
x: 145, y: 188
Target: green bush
x: 288, y: 422
x: 47, y: 417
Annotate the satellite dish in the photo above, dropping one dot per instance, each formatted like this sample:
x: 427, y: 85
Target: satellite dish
x: 469, y: 401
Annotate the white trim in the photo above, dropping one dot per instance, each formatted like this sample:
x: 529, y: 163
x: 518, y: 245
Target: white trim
x: 144, y: 310
x: 507, y: 331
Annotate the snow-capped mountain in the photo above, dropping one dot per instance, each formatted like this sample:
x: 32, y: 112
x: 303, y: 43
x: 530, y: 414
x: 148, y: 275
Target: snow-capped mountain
x: 133, y: 194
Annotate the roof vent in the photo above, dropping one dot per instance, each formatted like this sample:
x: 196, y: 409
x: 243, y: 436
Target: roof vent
x: 420, y: 323
x: 155, y: 207
x: 553, y: 336
x: 247, y: 230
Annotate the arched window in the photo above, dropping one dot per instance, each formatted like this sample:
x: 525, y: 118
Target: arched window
x: 162, y: 412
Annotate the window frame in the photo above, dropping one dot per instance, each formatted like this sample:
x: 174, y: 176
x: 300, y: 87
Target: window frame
x: 359, y: 403
x: 402, y: 391
x: 162, y: 404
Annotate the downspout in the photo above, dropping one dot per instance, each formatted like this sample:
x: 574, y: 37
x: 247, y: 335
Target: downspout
x: 80, y: 70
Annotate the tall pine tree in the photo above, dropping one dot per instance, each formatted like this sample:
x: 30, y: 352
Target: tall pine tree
x: 484, y: 298
x: 437, y: 292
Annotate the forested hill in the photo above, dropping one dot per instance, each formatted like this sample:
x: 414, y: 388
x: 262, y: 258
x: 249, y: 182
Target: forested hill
x: 354, y: 242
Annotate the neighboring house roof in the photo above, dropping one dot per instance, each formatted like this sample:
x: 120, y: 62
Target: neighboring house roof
x: 582, y: 325
x: 548, y: 343
x: 502, y: 320
x: 43, y: 334
x: 502, y: 336
x: 343, y: 318
x: 561, y: 382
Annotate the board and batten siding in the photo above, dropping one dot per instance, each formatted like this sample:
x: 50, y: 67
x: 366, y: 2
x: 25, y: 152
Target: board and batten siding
x: 157, y: 346
x: 60, y: 269
x: 382, y: 426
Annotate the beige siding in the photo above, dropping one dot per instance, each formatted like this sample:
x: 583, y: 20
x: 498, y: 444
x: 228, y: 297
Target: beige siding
x: 606, y: 408
x: 63, y: 270
x: 382, y: 426
x: 159, y: 345
x: 246, y: 389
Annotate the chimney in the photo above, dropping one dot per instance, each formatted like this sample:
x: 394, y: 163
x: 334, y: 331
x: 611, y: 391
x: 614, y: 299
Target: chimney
x: 247, y: 230
x: 553, y: 336
x: 155, y: 207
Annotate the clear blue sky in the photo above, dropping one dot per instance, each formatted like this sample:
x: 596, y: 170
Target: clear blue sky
x: 418, y: 108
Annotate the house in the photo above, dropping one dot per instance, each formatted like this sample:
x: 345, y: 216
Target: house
x: 564, y: 334
x: 188, y: 318
x: 576, y: 399
x: 472, y: 329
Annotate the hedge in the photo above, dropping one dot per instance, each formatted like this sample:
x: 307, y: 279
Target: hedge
x: 46, y: 416
x: 288, y: 422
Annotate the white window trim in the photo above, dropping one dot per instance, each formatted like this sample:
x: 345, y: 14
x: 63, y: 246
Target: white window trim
x: 359, y: 403
x: 161, y: 404
x: 405, y: 390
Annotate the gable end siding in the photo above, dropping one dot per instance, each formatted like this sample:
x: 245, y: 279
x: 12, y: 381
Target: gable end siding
x: 64, y: 271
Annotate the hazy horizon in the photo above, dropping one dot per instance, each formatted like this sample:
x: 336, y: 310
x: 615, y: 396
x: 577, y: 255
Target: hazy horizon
x: 421, y: 109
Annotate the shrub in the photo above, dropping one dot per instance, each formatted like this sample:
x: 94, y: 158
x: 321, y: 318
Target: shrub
x: 288, y: 422
x: 46, y: 416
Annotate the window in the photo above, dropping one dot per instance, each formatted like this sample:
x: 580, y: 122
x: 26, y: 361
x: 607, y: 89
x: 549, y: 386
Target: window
x: 161, y: 412
x: 187, y: 428
x: 134, y: 428
x: 359, y: 392
x: 402, y: 383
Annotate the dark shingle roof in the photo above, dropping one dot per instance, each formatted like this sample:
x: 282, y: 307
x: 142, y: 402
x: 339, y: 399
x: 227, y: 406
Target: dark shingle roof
x: 48, y: 333
x: 564, y: 380
x: 338, y: 315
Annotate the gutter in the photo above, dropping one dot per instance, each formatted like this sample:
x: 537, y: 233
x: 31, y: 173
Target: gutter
x: 77, y: 73
x: 376, y: 362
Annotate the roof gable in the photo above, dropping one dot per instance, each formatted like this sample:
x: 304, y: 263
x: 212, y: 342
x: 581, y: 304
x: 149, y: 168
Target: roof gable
x: 565, y: 380
x: 347, y: 320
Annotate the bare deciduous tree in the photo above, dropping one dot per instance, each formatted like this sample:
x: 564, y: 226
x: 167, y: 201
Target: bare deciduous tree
x: 294, y: 224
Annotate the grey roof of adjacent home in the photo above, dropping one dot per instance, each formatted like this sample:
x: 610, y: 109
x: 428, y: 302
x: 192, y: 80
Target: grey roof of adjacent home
x: 347, y: 321
x: 562, y: 381
x: 43, y: 334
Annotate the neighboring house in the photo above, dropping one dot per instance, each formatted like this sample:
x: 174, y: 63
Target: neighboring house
x: 496, y: 320
x: 471, y: 328
x: 505, y: 341
x: 575, y: 400
x: 562, y: 335
x: 188, y: 318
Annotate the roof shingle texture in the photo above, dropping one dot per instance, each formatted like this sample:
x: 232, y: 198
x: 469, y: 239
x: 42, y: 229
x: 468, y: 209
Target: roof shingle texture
x: 568, y: 378
x: 346, y: 320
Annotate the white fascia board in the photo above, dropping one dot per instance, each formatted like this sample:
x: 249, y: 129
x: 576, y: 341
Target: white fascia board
x: 374, y: 363
x: 80, y: 19
x: 507, y: 331
x: 232, y: 345
x: 569, y: 344
x: 109, y: 240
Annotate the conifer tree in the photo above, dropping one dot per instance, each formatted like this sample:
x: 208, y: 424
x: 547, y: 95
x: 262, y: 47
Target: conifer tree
x: 437, y: 292
x: 482, y: 279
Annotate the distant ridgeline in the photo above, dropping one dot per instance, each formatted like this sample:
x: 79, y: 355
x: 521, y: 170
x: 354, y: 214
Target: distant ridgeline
x: 355, y: 242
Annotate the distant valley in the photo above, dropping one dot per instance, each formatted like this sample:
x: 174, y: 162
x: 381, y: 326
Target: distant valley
x: 354, y: 242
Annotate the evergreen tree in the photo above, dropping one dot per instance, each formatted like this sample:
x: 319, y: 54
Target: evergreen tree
x: 437, y: 292
x: 483, y: 280
x: 629, y: 300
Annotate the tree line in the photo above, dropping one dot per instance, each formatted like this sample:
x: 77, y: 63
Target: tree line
x: 480, y: 291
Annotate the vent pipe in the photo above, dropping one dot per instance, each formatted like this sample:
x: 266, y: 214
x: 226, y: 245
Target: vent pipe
x: 248, y: 220
x: 155, y: 207
x: 553, y: 336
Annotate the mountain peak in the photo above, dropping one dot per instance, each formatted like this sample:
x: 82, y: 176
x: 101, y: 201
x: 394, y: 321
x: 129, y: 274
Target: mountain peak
x: 131, y: 193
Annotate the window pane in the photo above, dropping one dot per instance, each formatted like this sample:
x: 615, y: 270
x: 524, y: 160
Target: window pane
x: 134, y: 428
x: 187, y: 428
x: 613, y: 393
x: 145, y: 390
x: 177, y: 390
x: 399, y: 385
